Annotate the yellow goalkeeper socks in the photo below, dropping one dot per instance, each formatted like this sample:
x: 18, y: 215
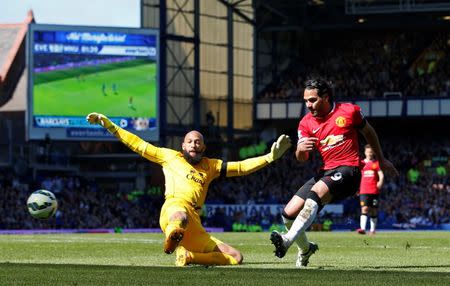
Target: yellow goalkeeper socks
x: 174, y: 234
x: 174, y: 224
x: 212, y: 258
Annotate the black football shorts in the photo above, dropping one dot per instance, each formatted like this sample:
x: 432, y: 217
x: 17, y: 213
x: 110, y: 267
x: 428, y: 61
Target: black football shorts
x: 342, y: 181
x: 369, y: 200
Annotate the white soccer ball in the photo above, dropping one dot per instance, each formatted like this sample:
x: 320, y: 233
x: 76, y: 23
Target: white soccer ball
x: 42, y: 204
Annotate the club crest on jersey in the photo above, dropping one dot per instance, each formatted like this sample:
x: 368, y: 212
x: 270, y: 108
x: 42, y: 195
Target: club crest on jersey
x: 341, y: 121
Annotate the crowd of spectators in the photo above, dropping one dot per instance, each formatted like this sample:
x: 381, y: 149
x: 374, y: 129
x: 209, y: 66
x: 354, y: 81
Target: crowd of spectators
x: 405, y: 202
x: 419, y: 197
x: 416, y: 205
x: 82, y: 204
x: 371, y: 65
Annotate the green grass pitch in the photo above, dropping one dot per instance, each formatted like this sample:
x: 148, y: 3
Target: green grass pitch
x: 344, y: 258
x: 79, y: 91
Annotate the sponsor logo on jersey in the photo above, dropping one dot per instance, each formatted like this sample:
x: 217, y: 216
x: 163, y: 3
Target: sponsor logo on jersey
x: 341, y: 121
x: 332, y: 141
x: 192, y: 176
x: 369, y: 173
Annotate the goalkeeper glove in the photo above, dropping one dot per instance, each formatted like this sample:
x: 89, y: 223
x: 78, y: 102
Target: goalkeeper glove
x: 98, y: 118
x: 278, y: 148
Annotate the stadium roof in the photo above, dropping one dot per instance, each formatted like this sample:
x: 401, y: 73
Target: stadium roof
x: 8, y: 34
x: 18, y: 101
x: 288, y: 15
x: 12, y: 55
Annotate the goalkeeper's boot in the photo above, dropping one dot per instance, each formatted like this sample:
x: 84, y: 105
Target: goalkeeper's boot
x: 173, y: 239
x: 183, y: 257
x: 303, y: 258
x: 280, y: 243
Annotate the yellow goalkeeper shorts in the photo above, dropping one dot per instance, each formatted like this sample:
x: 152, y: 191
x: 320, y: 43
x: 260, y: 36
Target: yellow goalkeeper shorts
x: 195, y: 239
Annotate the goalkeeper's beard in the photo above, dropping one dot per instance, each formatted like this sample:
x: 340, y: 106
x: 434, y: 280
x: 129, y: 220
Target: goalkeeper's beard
x: 192, y: 160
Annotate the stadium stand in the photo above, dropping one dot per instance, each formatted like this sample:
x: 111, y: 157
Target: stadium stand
x: 371, y: 65
x: 365, y: 65
x: 84, y: 204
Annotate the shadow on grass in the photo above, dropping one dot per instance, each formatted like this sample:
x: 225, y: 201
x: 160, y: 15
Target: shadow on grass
x: 70, y: 274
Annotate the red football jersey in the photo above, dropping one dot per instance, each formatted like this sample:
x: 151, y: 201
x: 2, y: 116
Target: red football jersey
x: 369, y: 177
x: 337, y: 133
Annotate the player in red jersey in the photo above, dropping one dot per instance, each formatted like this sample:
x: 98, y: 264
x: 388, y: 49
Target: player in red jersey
x: 331, y: 129
x: 372, y: 179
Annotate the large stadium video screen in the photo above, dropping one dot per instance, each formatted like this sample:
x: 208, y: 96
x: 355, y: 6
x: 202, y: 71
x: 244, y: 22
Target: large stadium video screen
x: 77, y: 70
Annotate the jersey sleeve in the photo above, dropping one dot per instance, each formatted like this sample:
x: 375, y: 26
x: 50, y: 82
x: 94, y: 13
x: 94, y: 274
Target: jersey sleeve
x: 245, y: 167
x: 217, y: 167
x: 157, y: 154
x: 143, y: 148
x: 302, y: 131
x: 357, y: 117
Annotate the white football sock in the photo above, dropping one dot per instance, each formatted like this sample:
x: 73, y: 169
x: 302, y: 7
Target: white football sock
x: 301, y: 241
x: 373, y: 223
x: 287, y: 222
x: 303, y: 220
x: 363, y: 221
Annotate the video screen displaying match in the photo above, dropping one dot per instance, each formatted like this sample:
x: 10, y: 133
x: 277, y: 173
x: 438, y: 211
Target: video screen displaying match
x: 77, y: 70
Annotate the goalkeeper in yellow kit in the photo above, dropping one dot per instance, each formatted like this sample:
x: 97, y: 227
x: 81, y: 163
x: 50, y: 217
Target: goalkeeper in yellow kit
x: 188, y: 175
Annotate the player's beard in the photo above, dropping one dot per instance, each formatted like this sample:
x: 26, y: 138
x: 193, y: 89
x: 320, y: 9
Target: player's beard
x: 192, y: 160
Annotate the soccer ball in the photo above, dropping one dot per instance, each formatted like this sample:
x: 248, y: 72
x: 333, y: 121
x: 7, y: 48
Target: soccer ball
x: 42, y: 204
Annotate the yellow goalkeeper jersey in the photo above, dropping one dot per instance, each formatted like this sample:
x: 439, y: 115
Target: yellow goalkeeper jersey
x: 183, y: 180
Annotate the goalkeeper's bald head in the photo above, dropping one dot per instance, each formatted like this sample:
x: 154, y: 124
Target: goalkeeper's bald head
x: 193, y: 147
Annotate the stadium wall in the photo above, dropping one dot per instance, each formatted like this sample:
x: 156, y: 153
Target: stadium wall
x: 213, y: 62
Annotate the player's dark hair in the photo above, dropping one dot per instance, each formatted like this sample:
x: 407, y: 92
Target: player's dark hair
x: 323, y: 87
x: 367, y: 146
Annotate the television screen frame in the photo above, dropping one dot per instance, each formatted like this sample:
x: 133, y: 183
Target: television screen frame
x: 75, y: 128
